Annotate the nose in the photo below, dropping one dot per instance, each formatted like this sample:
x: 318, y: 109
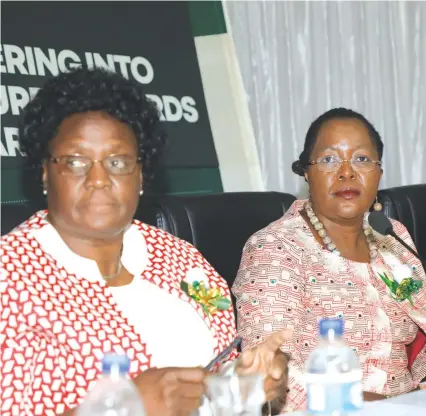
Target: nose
x: 98, y: 176
x: 346, y: 171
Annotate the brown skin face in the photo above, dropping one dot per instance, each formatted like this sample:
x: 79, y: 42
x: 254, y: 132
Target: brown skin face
x: 344, y: 138
x: 97, y: 206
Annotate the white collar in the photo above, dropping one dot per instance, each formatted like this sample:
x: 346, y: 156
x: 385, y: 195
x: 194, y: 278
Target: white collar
x: 134, y: 257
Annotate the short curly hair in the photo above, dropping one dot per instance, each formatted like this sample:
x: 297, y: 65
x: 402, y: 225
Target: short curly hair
x: 82, y: 90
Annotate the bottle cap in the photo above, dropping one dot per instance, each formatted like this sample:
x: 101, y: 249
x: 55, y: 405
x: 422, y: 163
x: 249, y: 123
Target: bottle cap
x: 330, y: 324
x: 115, y: 363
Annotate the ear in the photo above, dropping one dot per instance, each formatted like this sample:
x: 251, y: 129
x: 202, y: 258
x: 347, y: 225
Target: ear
x: 306, y: 177
x: 44, y: 174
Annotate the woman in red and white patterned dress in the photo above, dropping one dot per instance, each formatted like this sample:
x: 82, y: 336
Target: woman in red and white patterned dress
x: 82, y: 278
x: 322, y: 260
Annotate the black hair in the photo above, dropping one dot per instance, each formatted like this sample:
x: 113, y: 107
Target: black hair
x: 300, y: 166
x: 82, y: 90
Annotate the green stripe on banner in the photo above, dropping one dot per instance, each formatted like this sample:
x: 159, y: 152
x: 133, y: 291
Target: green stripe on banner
x: 175, y: 181
x: 207, y: 18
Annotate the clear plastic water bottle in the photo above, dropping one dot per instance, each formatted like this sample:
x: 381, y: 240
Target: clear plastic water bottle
x: 333, y: 374
x: 114, y: 394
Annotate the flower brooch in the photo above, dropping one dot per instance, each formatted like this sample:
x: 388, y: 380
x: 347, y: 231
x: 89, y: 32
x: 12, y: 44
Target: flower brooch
x: 401, y: 286
x: 197, y: 287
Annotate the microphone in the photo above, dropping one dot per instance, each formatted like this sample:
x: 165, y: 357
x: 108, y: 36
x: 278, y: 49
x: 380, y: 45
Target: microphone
x: 380, y: 222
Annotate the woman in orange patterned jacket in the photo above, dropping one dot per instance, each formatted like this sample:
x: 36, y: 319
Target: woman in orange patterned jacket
x: 323, y: 260
x: 82, y: 278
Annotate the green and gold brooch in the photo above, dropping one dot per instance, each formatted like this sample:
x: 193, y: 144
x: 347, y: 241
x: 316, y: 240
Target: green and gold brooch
x: 210, y: 299
x: 404, y: 289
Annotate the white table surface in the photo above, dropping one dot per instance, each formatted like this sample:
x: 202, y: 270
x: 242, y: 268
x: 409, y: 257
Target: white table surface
x: 411, y: 404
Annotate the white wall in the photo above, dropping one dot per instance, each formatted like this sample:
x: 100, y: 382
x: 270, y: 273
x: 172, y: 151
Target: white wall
x: 229, y: 114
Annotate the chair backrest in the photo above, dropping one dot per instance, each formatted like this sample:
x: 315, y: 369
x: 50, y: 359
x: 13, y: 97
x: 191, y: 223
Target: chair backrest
x: 218, y: 225
x: 407, y: 204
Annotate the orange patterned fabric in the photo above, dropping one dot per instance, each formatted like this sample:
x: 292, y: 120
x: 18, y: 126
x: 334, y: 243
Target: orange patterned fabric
x: 286, y: 279
x: 55, y: 326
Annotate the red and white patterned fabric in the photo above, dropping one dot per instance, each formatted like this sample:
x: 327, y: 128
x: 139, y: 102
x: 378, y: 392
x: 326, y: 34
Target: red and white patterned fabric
x: 56, y: 325
x: 286, y: 279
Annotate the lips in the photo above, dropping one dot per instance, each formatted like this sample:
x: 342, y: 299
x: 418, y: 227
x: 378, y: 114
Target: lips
x: 96, y: 205
x: 348, y: 193
x: 99, y: 203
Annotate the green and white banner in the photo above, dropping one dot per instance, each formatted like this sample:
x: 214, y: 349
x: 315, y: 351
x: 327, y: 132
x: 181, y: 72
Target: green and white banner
x: 151, y: 42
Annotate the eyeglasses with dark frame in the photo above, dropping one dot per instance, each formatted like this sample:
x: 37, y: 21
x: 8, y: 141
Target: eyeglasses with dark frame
x: 334, y: 163
x: 76, y: 165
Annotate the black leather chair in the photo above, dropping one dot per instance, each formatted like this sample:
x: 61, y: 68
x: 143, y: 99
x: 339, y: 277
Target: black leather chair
x: 407, y: 204
x: 218, y: 225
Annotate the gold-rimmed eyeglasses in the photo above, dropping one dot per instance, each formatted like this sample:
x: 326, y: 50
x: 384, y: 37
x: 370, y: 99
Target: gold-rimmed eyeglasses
x: 358, y: 163
x: 76, y: 165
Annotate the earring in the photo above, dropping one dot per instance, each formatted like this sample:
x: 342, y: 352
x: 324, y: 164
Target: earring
x: 141, y: 192
x: 377, y: 205
x: 44, y: 191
